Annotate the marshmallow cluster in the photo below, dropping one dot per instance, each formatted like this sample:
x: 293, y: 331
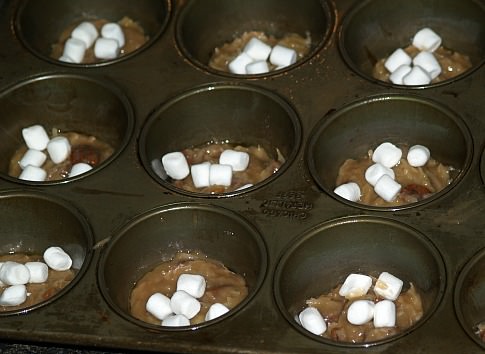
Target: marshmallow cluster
x: 85, y: 35
x: 257, y: 56
x: 16, y: 275
x: 421, y: 69
x: 183, y: 305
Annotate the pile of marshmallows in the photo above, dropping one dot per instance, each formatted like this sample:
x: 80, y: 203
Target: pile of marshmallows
x: 206, y: 174
x: 419, y: 70
x: 58, y: 148
x: 383, y: 312
x: 183, y: 305
x: 16, y: 275
x: 256, y: 54
x: 107, y: 46
x: 381, y: 175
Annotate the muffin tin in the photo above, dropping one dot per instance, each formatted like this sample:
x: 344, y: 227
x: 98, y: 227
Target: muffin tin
x: 290, y: 236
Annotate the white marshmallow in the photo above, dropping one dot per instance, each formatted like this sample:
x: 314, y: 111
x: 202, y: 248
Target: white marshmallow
x: 397, y: 75
x: 376, y: 171
x: 355, y: 285
x: 417, y: 76
x: 175, y: 321
x: 388, y: 286
x: 238, y: 160
x: 428, y: 62
x: 216, y: 310
x: 384, y: 314
x: 282, y: 56
x: 59, y: 149
x: 113, y: 30
x: 257, y: 67
x: 239, y: 63
x: 349, y: 191
x: 311, y: 319
x: 57, y: 259
x: 85, y: 32
x: 387, y: 188
x: 14, y: 295
x: 79, y: 168
x: 106, y: 48
x: 33, y: 173
x: 175, y: 164
x: 426, y: 39
x: 257, y: 49
x: 13, y: 273
x: 35, y: 137
x: 192, y: 284
x: 360, y: 312
x: 200, y: 174
x: 1, y: 283
x: 387, y: 154
x: 220, y: 175
x: 32, y: 157
x: 74, y: 49
x: 183, y: 303
x: 396, y: 59
x: 39, y: 272
x: 418, y: 155
x: 159, y: 306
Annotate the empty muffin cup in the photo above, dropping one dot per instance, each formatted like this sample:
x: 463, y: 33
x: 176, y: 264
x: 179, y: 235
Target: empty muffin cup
x: 160, y: 234
x: 45, y: 26
x: 204, y: 25
x: 403, y: 120
x: 217, y: 114
x: 322, y: 257
x: 94, y: 114
x: 374, y: 29
x: 30, y: 223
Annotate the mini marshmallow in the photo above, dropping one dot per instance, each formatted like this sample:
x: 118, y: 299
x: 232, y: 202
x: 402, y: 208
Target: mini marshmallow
x: 360, y: 312
x: 282, y: 56
x: 106, y: 48
x: 14, y: 295
x: 74, y: 49
x: 396, y: 59
x: 417, y: 76
x: 257, y: 49
x: 426, y: 39
x: 35, y: 137
x: 238, y: 64
x: 388, y: 286
x: 397, y: 75
x: 257, y: 67
x: 113, y: 30
x: 428, y: 62
x: 183, y: 303
x: 238, y: 160
x: 200, y: 174
x: 33, y: 173
x: 57, y: 259
x: 175, y: 164
x: 79, y: 168
x: 349, y: 191
x: 85, y: 32
x: 387, y: 188
x: 32, y: 157
x: 387, y: 154
x: 193, y: 284
x: 376, y: 171
x: 1, y: 283
x: 39, y: 272
x: 13, y: 273
x: 355, y: 285
x: 216, y: 310
x: 384, y: 314
x: 159, y: 306
x: 311, y: 319
x: 418, y: 155
x: 175, y: 321
x: 220, y: 175
x: 59, y: 149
